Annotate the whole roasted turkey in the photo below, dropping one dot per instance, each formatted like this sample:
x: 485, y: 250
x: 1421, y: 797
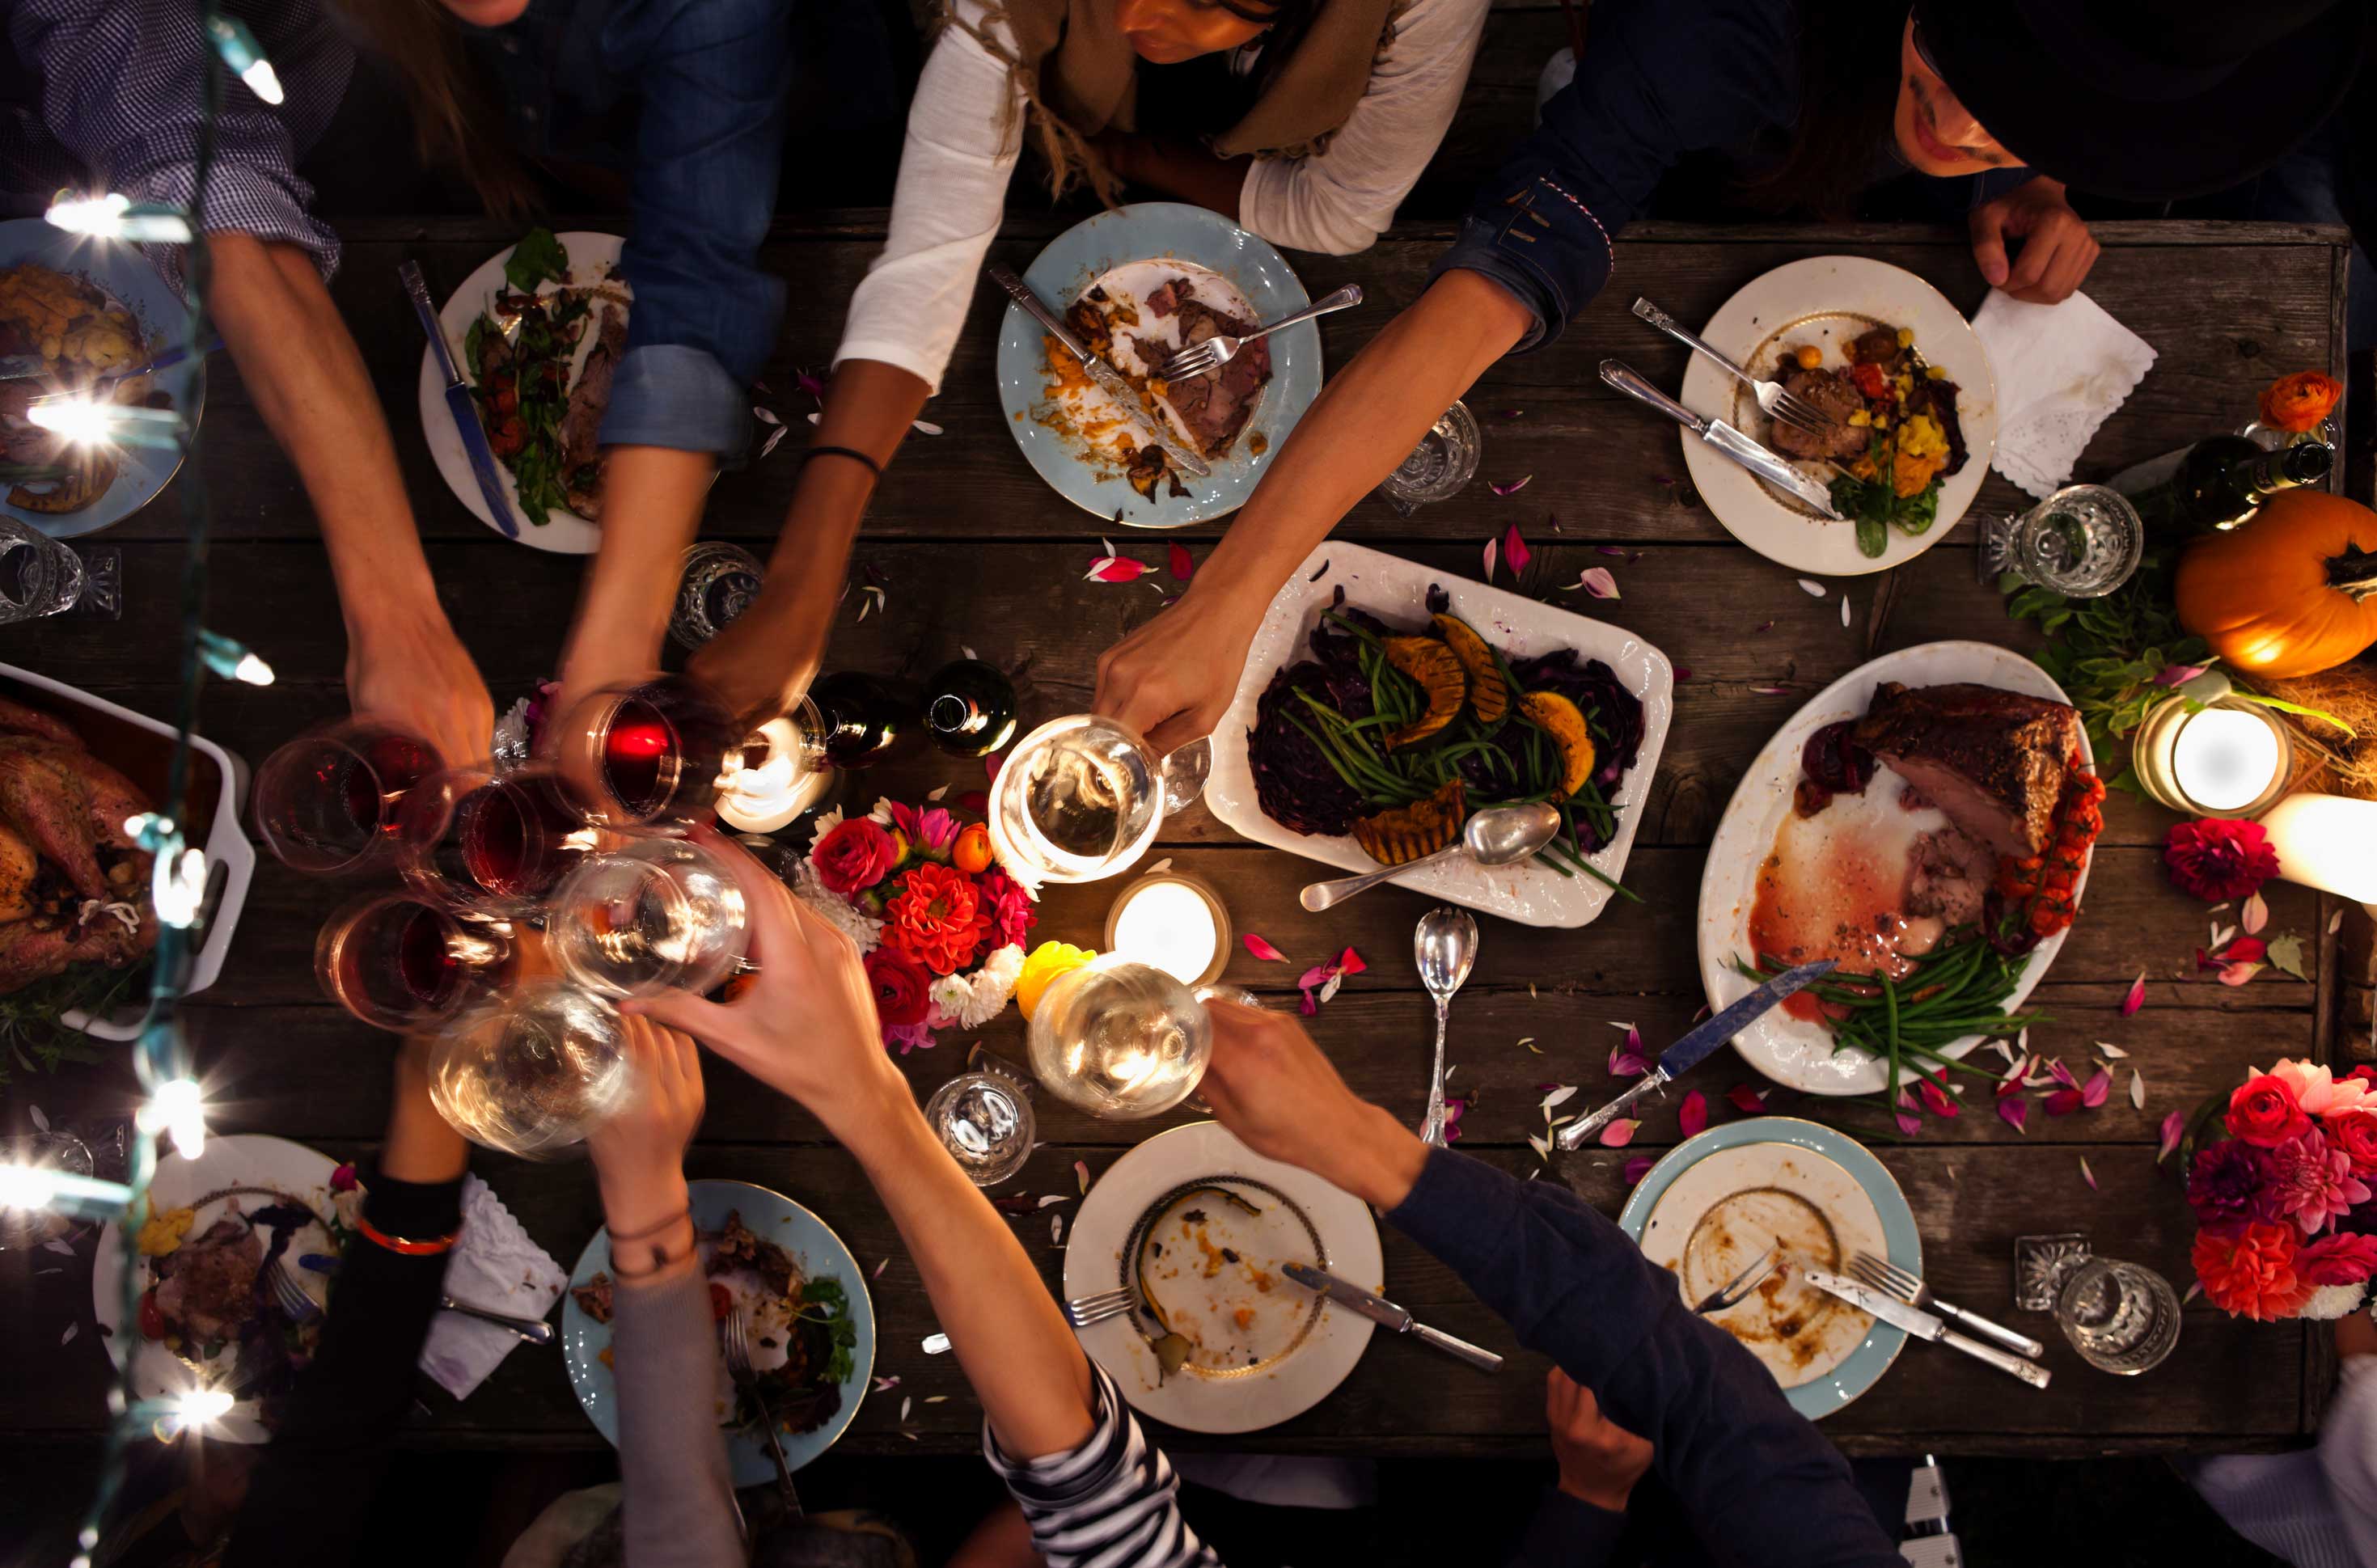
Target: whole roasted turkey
x: 74, y: 886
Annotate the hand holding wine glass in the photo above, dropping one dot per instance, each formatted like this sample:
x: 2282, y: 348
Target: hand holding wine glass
x: 639, y: 1150
x: 1269, y: 1084
x: 414, y: 675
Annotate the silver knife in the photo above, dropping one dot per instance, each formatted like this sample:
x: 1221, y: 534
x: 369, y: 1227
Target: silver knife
x: 1772, y: 467
x: 1923, y: 1326
x: 1109, y: 379
x: 1392, y: 1315
x: 536, y: 1331
x: 1696, y: 1047
x: 459, y: 403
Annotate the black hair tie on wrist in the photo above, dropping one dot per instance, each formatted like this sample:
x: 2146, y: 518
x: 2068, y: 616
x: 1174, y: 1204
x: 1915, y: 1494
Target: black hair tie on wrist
x: 852, y: 453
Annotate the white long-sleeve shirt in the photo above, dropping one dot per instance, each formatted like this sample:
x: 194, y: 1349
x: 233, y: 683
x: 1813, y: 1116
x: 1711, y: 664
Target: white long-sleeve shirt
x: 956, y: 164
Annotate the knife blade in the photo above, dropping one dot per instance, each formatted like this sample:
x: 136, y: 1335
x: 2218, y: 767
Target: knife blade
x: 1386, y: 1312
x: 1109, y: 380
x: 1697, y: 1047
x: 460, y: 404
x: 1923, y: 1325
x: 1772, y: 467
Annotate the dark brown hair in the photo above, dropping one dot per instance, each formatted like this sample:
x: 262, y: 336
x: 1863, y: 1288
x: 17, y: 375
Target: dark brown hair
x: 455, y: 121
x: 1849, y: 95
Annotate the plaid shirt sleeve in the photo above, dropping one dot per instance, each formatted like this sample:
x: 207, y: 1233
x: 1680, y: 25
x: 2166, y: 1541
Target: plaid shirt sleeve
x: 122, y: 86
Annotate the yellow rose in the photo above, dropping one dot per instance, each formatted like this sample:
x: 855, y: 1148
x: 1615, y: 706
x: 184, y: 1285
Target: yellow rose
x: 1047, y: 961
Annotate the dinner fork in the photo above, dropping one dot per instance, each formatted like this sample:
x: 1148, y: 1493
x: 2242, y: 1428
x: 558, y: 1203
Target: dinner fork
x: 295, y: 1304
x: 1887, y: 1277
x: 1778, y: 404
x: 1220, y: 350
x: 734, y: 1333
x: 1083, y: 1311
x: 1732, y: 1291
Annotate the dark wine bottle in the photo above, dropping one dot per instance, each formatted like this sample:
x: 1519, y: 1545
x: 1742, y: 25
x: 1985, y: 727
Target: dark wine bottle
x: 2217, y: 483
x: 863, y: 717
x: 969, y: 708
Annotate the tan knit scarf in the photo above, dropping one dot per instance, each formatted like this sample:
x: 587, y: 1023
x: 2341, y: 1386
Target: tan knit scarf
x: 1079, y: 77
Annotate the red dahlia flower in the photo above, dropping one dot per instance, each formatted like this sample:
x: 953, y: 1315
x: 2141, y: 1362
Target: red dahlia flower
x: 2250, y: 1273
x: 938, y: 917
x: 2214, y: 859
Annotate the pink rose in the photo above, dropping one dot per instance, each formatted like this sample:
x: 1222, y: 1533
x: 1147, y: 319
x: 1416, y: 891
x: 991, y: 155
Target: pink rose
x: 2337, y: 1260
x: 902, y: 987
x: 2355, y: 1134
x: 854, y: 857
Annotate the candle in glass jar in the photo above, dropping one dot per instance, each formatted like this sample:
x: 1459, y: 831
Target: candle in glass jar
x: 2225, y: 758
x: 2328, y: 842
x: 1169, y: 923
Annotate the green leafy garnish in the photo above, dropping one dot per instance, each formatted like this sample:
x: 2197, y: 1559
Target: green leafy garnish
x: 832, y: 1309
x: 538, y: 258
x: 33, y: 1038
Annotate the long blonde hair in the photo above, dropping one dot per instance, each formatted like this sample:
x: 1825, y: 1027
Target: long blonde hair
x: 454, y: 119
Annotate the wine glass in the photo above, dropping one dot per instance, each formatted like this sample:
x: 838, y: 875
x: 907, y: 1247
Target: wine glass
x: 532, y: 1070
x: 650, y: 753
x: 402, y: 961
x: 1081, y: 797
x: 327, y: 802
x: 657, y: 915
x: 491, y: 844
x: 985, y: 1120
x: 1123, y: 1040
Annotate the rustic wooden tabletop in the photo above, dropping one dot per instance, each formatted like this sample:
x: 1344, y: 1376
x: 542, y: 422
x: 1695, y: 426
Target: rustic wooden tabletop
x: 971, y: 547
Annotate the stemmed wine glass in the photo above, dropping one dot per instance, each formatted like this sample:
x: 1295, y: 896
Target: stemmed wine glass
x: 400, y: 961
x: 327, y: 802
x: 656, y: 915
x: 1080, y: 798
x: 491, y: 844
x: 1124, y: 1040
x: 654, y: 754
x: 532, y: 1070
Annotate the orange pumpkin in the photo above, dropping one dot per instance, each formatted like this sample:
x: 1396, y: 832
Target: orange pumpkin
x: 2289, y: 590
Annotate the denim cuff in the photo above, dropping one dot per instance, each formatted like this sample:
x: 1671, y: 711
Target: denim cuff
x: 668, y: 395
x: 1538, y: 240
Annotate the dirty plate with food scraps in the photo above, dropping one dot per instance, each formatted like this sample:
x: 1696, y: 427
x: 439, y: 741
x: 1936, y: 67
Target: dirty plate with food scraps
x: 1135, y: 249
x: 1204, y: 1224
x: 1395, y: 590
x: 594, y: 264
x: 815, y: 1252
x: 1826, y: 301
x: 1717, y: 1200
x: 1794, y: 1052
x: 248, y: 1172
x: 126, y: 277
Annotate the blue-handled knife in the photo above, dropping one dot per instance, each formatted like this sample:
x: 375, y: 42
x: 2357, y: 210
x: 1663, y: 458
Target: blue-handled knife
x: 459, y: 403
x: 1696, y: 1047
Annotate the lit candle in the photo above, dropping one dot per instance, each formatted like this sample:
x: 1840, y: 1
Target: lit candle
x: 1170, y: 923
x: 763, y: 797
x: 2327, y: 842
x: 2229, y: 757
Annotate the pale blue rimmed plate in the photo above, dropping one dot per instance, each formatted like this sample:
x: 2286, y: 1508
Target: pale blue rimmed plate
x: 1143, y: 231
x: 1864, y: 1365
x: 818, y: 1253
x: 127, y: 277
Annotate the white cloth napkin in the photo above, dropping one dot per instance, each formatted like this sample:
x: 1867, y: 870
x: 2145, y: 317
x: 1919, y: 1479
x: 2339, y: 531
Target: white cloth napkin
x: 2061, y: 369
x: 496, y: 1267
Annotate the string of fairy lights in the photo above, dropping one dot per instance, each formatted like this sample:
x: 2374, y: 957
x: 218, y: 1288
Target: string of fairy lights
x: 173, y: 1104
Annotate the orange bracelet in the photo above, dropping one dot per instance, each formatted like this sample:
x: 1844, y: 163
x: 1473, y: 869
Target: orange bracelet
x: 406, y: 1244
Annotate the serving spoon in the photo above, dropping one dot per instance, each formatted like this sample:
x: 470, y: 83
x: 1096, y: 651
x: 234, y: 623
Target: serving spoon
x: 1498, y: 835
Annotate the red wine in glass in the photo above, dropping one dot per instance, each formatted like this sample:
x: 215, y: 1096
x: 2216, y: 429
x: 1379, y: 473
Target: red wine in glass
x: 400, y: 962
x: 490, y: 845
x: 660, y: 749
x: 328, y: 800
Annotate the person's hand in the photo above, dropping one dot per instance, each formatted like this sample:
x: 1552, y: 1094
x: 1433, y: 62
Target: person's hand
x: 1172, y: 679
x: 639, y: 1150
x: 2057, y: 249
x: 1599, y: 1460
x: 805, y: 1026
x: 762, y: 662
x: 1270, y: 1085
x: 415, y: 675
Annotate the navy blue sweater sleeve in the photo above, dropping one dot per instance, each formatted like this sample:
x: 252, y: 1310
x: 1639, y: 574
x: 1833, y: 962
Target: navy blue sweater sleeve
x: 1567, y: 1532
x: 1762, y: 1487
x: 1658, y: 80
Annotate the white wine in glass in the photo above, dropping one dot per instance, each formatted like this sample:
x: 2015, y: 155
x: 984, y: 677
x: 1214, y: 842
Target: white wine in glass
x: 1122, y: 1040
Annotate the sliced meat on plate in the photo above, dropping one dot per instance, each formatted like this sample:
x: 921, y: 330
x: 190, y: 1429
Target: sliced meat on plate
x: 1994, y: 760
x: 1835, y: 400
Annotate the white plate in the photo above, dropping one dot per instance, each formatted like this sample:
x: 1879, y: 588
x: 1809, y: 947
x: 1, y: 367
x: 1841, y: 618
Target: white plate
x: 594, y: 259
x: 1790, y: 1050
x: 245, y: 1160
x: 1286, y: 1385
x: 1825, y: 299
x: 1396, y: 591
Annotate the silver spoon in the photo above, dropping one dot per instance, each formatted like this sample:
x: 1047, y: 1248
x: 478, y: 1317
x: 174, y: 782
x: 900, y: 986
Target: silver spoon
x: 1444, y: 948
x: 1498, y: 835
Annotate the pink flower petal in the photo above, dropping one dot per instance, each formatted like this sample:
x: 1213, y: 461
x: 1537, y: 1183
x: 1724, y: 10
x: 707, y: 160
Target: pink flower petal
x: 1305, y: 1005
x: 1493, y: 553
x: 2137, y: 996
x: 1939, y: 1101
x: 1512, y: 488
x: 1692, y: 1115
x: 1596, y: 581
x: 1909, y: 1122
x: 2062, y: 1073
x: 1624, y: 1063
x: 1116, y: 569
x: 1182, y: 565
x: 1748, y: 1101
x: 1515, y: 554
x: 2064, y: 1102
x: 2237, y: 974
x: 2174, y: 674
x: 1683, y: 672
x: 1317, y: 975
x: 1262, y: 949
x: 2173, y: 1126
x: 2087, y: 1175
x: 809, y: 384
x: 1350, y: 963
x: 2245, y: 950
x: 1636, y: 1169
x: 2099, y: 1085
x: 1609, y: 549
x: 1619, y: 1133
x: 2256, y: 915
x: 2015, y: 1111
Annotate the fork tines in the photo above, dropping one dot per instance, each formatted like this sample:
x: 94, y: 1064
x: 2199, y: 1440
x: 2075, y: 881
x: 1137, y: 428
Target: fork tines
x: 1884, y: 1275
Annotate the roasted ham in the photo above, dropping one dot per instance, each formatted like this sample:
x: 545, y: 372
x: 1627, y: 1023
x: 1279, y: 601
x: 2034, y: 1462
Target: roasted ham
x: 1836, y: 399
x: 1994, y: 760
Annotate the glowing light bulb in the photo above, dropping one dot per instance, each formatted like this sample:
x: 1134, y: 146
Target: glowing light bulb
x: 87, y: 421
x: 112, y: 216
x: 76, y: 418
x: 198, y: 1408
x: 27, y: 1186
x: 245, y: 56
x: 179, y: 1107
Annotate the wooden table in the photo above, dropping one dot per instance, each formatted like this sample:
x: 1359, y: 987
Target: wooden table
x: 971, y: 547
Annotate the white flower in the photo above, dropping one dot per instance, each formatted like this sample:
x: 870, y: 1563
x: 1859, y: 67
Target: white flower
x: 971, y: 1001
x: 881, y: 814
x: 827, y: 821
x: 2334, y: 1301
x: 840, y: 912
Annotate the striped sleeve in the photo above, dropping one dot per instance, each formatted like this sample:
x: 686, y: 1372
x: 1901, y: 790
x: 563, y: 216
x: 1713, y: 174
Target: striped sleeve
x: 1111, y: 1502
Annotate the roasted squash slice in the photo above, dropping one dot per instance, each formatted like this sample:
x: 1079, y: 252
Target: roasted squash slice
x: 1403, y: 833
x: 1560, y: 719
x: 1441, y: 679
x: 1489, y: 694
